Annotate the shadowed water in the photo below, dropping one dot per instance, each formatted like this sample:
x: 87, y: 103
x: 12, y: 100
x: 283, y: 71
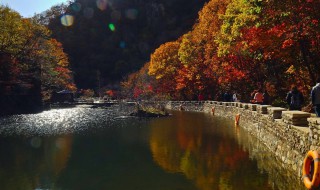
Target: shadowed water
x: 83, y: 148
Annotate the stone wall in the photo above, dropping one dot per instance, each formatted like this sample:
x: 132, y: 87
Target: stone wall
x: 288, y: 134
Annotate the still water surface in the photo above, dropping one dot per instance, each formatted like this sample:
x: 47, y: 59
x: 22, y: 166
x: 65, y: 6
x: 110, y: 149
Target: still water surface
x: 83, y: 148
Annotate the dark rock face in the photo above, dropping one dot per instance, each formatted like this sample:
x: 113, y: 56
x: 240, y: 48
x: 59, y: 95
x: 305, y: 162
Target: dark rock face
x: 117, y: 38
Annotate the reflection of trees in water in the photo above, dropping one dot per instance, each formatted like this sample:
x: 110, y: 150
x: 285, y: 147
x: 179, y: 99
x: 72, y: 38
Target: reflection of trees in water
x: 212, y: 161
x: 279, y: 175
x: 31, y: 163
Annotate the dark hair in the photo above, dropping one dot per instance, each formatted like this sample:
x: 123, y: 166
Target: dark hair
x: 318, y: 80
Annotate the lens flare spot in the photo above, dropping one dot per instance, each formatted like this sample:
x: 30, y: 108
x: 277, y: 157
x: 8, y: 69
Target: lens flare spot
x: 88, y: 12
x: 102, y: 4
x: 112, y: 27
x: 67, y: 20
x: 36, y: 142
x: 122, y: 44
x: 76, y: 7
x: 61, y: 143
x: 131, y: 14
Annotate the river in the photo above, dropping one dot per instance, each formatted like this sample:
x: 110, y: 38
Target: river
x: 85, y: 148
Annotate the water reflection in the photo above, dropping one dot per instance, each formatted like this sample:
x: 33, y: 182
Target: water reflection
x: 279, y: 175
x: 84, y: 148
x: 215, y: 154
x: 26, y: 166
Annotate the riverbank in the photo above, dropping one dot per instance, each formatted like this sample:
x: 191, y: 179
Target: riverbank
x: 288, y: 134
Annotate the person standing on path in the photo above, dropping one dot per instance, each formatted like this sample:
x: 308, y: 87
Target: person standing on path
x: 258, y: 97
x: 227, y: 97
x: 315, y: 97
x: 266, y: 98
x: 295, y: 99
x: 235, y: 97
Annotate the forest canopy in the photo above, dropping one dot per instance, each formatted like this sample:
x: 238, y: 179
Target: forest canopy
x: 31, y: 61
x: 233, y: 45
x: 238, y: 46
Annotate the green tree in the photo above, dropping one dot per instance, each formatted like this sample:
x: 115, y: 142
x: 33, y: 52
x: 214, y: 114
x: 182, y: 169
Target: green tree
x: 11, y: 31
x: 239, y: 14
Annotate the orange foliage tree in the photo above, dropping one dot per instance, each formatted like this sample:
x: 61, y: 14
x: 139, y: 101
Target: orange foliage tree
x: 139, y: 85
x: 198, y: 53
x: 164, y: 66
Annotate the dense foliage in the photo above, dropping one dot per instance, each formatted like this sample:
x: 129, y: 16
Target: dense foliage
x: 241, y: 45
x: 234, y: 45
x: 31, y: 62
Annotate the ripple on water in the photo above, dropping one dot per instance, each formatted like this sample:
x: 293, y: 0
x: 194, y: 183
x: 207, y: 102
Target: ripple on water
x: 59, y: 121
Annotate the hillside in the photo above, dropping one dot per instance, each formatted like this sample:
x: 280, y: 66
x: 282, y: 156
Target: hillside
x: 109, y: 39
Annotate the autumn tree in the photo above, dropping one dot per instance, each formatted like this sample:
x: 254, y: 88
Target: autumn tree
x: 201, y: 70
x: 191, y: 77
x: 32, y: 59
x: 240, y: 51
x: 45, y: 59
x: 128, y: 85
x: 54, y: 67
x: 11, y: 41
x: 238, y: 15
x: 139, y: 85
x: 11, y: 31
x: 295, y: 29
x: 164, y: 65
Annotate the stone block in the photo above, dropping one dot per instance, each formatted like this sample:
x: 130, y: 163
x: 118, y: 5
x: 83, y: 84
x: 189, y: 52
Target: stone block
x: 296, y: 122
x: 275, y: 112
x: 263, y: 109
x: 245, y: 106
x: 298, y: 118
x: 226, y: 103
x: 296, y: 114
x: 252, y: 107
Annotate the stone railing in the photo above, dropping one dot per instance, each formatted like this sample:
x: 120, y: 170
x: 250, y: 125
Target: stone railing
x: 288, y: 134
